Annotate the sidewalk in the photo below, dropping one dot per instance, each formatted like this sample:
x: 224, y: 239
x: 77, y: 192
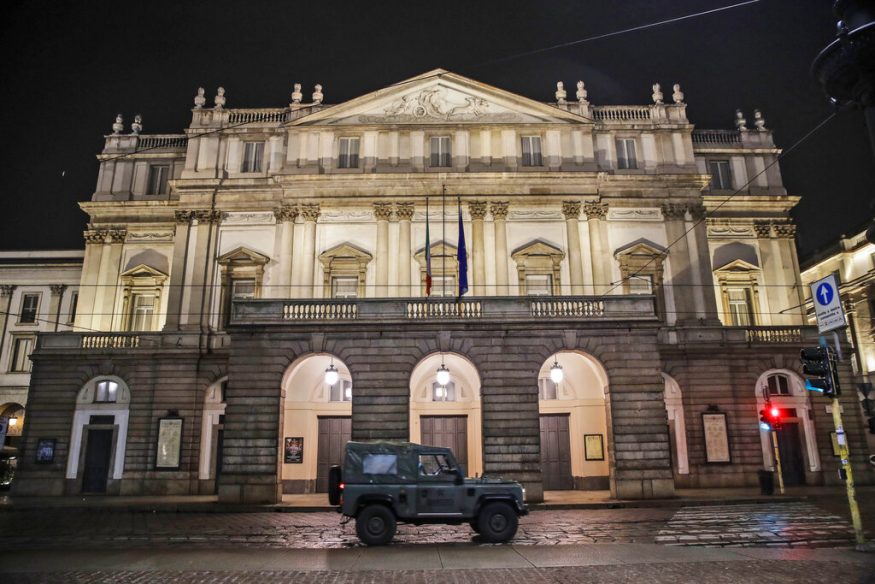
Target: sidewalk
x: 553, y: 500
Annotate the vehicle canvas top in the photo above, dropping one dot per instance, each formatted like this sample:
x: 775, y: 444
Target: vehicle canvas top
x: 383, y: 462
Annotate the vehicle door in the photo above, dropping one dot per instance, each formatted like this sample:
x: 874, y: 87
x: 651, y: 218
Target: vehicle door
x: 436, y: 490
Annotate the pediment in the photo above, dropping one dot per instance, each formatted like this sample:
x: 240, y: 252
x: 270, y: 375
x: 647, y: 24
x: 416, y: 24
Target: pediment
x: 243, y: 255
x: 345, y: 251
x: 738, y: 266
x: 143, y: 271
x: 641, y: 247
x: 538, y: 247
x: 439, y: 97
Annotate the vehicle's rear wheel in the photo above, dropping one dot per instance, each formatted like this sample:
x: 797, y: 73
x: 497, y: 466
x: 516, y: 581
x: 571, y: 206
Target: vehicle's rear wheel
x: 497, y: 522
x: 335, y: 477
x: 375, y: 525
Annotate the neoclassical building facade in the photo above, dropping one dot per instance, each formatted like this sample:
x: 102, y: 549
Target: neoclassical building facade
x: 254, y: 294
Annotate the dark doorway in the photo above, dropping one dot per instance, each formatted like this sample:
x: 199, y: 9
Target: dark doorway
x: 97, y: 453
x: 334, y: 433
x: 449, y: 432
x: 220, y: 447
x: 790, y: 447
x: 556, y: 453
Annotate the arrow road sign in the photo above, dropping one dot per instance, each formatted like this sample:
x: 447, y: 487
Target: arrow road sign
x: 828, y: 304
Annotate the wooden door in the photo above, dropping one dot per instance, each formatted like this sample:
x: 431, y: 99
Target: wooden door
x: 555, y: 453
x: 334, y: 433
x: 449, y: 432
x: 97, y: 453
x: 790, y: 447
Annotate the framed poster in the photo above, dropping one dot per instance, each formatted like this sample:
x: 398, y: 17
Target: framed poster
x: 45, y: 450
x: 716, y: 438
x: 594, y: 447
x: 169, y: 448
x: 294, y: 450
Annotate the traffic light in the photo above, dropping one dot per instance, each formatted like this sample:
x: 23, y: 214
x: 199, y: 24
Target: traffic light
x: 819, y: 364
x: 774, y: 415
x: 765, y: 425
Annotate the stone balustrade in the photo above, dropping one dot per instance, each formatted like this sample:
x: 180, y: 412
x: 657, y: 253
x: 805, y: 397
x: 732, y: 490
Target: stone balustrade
x: 621, y: 113
x: 717, y: 138
x: 738, y: 335
x: 256, y: 115
x: 121, y: 341
x: 162, y: 142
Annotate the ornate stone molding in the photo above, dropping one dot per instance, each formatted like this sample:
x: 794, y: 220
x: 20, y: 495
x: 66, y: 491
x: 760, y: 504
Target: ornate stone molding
x: 150, y: 236
x: 94, y: 235
x: 727, y: 230
x: 697, y: 211
x: 286, y: 213
x: 536, y: 214
x: 254, y: 218
x: 7, y: 289
x: 499, y: 210
x: 633, y: 214
x: 208, y: 215
x: 383, y: 211
x: 183, y: 217
x: 404, y: 211
x: 117, y: 235
x: 674, y: 211
x: 477, y: 209
x: 785, y: 230
x: 571, y: 209
x: 763, y: 229
x: 57, y: 289
x: 595, y: 210
x: 310, y: 212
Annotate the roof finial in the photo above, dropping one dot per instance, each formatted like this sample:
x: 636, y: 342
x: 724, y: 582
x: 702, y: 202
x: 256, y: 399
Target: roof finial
x: 297, y: 96
x: 137, y: 126
x: 561, y: 94
x: 118, y: 126
x: 219, y: 100
x: 759, y: 121
x: 199, y: 99
x: 317, y: 94
x: 581, y: 93
x: 677, y: 95
x: 740, y: 122
x: 657, y: 94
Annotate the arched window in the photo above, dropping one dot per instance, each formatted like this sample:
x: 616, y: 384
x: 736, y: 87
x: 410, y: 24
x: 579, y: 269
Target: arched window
x: 443, y: 393
x: 106, y: 391
x: 778, y: 385
x: 340, y: 391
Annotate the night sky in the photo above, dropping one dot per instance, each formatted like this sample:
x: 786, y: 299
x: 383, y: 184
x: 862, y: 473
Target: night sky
x: 69, y: 67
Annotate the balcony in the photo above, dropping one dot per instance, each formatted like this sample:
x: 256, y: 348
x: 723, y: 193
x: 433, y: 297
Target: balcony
x: 753, y: 336
x: 122, y: 342
x: 418, y: 310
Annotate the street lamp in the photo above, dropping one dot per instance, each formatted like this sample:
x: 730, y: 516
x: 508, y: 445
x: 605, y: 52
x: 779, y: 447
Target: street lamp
x: 556, y: 373
x: 443, y: 375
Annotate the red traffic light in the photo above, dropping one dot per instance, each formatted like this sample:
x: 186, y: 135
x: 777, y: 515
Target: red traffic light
x: 774, y: 413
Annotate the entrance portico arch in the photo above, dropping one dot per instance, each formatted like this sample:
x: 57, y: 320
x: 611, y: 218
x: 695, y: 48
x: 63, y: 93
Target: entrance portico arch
x: 448, y: 415
x: 316, y: 422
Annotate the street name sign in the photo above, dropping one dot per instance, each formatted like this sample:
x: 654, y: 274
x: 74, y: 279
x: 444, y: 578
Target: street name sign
x: 828, y: 304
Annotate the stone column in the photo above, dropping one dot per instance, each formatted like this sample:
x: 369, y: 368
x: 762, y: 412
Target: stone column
x: 601, y: 260
x: 679, y: 259
x: 107, y: 278
x: 6, y: 291
x: 499, y: 217
x: 88, y: 284
x: 478, y: 212
x: 55, y: 304
x: 571, y: 210
x: 308, y: 255
x: 382, y: 213
x: 795, y: 294
x: 285, y: 216
x: 404, y: 213
x: 197, y: 297
x: 177, y: 270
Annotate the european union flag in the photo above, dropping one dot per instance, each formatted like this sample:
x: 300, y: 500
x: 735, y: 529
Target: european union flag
x: 462, y: 255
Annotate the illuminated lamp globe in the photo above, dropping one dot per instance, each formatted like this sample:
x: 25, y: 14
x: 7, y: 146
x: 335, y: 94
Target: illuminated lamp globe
x: 556, y: 373
x: 443, y: 375
x: 331, y: 375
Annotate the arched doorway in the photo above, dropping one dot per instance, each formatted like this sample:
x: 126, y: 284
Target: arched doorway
x: 98, y: 438
x: 797, y: 444
x: 317, y: 421
x: 212, y: 434
x: 448, y: 415
x: 574, y: 423
x: 677, y: 426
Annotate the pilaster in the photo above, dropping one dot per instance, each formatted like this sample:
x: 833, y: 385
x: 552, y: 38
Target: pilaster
x: 477, y: 209
x: 499, y: 217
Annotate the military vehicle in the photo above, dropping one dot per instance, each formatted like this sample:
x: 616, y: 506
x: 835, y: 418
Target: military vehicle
x: 383, y: 483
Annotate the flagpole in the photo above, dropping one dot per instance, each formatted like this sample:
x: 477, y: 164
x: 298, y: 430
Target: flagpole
x: 444, y: 240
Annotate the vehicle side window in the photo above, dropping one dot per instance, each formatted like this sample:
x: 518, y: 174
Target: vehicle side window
x: 434, y: 465
x: 385, y: 464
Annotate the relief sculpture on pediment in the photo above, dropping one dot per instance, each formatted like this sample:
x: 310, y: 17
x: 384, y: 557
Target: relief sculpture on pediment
x: 433, y: 104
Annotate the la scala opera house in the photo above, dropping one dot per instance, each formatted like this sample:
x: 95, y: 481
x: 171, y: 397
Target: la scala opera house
x: 571, y: 295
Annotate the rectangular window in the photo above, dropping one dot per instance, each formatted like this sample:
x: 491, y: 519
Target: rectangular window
x: 640, y: 284
x: 626, y: 153
x: 106, y: 391
x: 344, y: 287
x: 720, y: 177
x: 740, y: 308
x: 444, y: 286
x: 340, y: 391
x: 21, y: 349
x: 539, y: 285
x: 29, y: 308
x: 158, y: 176
x: 440, y: 152
x: 349, y: 153
x: 382, y: 464
x: 74, y: 302
x: 532, y: 151
x: 547, y: 389
x: 142, y: 310
x: 253, y: 153
x: 443, y: 392
x: 778, y: 385
x: 242, y: 289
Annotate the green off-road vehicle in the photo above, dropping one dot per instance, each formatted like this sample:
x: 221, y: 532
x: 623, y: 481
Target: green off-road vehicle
x: 383, y: 483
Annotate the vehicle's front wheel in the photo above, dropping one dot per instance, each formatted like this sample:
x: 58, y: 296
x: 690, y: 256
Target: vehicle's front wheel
x: 375, y: 525
x: 497, y: 522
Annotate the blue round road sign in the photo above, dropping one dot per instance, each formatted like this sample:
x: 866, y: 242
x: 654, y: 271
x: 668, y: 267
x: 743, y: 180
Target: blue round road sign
x: 824, y: 294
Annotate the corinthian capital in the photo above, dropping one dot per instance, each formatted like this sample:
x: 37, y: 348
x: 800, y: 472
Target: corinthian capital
x: 7, y: 289
x: 571, y: 209
x: 785, y: 230
x: 58, y: 289
x: 763, y: 229
x: 404, y: 211
x: 310, y: 212
x: 383, y: 211
x: 208, y: 216
x: 94, y: 235
x: 595, y: 210
x: 286, y: 213
x: 498, y: 210
x: 183, y: 217
x: 477, y: 210
x: 674, y: 211
x: 117, y: 235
